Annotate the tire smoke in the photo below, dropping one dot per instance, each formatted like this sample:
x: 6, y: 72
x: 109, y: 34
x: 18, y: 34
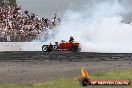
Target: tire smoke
x: 98, y: 28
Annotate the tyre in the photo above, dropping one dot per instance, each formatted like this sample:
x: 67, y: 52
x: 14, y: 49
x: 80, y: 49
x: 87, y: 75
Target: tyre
x: 45, y: 48
x: 74, y: 48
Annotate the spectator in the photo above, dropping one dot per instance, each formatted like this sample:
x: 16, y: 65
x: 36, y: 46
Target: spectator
x: 16, y: 26
x: 26, y: 12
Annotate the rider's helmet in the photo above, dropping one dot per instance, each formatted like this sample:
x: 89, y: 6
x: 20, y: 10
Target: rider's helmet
x: 71, y: 38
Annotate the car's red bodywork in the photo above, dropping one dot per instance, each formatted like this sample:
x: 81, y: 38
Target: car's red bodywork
x: 68, y: 45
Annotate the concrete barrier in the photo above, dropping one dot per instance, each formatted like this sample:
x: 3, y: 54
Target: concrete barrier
x: 20, y: 46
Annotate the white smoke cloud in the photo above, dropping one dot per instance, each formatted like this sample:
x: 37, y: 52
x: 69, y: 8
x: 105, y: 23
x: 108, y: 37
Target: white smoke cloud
x: 98, y: 27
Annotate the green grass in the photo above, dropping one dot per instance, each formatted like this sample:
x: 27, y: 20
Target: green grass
x: 73, y: 83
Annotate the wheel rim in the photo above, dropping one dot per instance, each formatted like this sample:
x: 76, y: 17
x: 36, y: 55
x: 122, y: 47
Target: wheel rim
x: 44, y: 48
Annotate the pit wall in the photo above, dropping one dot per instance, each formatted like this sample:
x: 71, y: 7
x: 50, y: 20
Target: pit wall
x: 20, y: 46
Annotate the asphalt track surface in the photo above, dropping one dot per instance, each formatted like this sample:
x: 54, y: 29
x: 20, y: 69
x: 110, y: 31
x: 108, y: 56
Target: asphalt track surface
x: 39, y: 67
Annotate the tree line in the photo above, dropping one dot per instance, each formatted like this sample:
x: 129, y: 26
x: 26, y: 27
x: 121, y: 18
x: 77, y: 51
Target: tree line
x: 11, y: 2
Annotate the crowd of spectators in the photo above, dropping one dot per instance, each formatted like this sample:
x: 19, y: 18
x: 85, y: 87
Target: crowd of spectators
x: 18, y: 26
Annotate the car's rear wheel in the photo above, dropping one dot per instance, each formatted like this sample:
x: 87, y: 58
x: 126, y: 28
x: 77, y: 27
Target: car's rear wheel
x: 45, y: 48
x: 74, y: 48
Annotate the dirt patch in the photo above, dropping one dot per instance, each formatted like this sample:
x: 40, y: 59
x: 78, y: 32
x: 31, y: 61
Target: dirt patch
x: 25, y: 72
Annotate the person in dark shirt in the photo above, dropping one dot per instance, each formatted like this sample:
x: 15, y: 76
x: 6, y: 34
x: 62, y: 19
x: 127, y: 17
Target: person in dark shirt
x: 26, y: 12
x: 71, y: 39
